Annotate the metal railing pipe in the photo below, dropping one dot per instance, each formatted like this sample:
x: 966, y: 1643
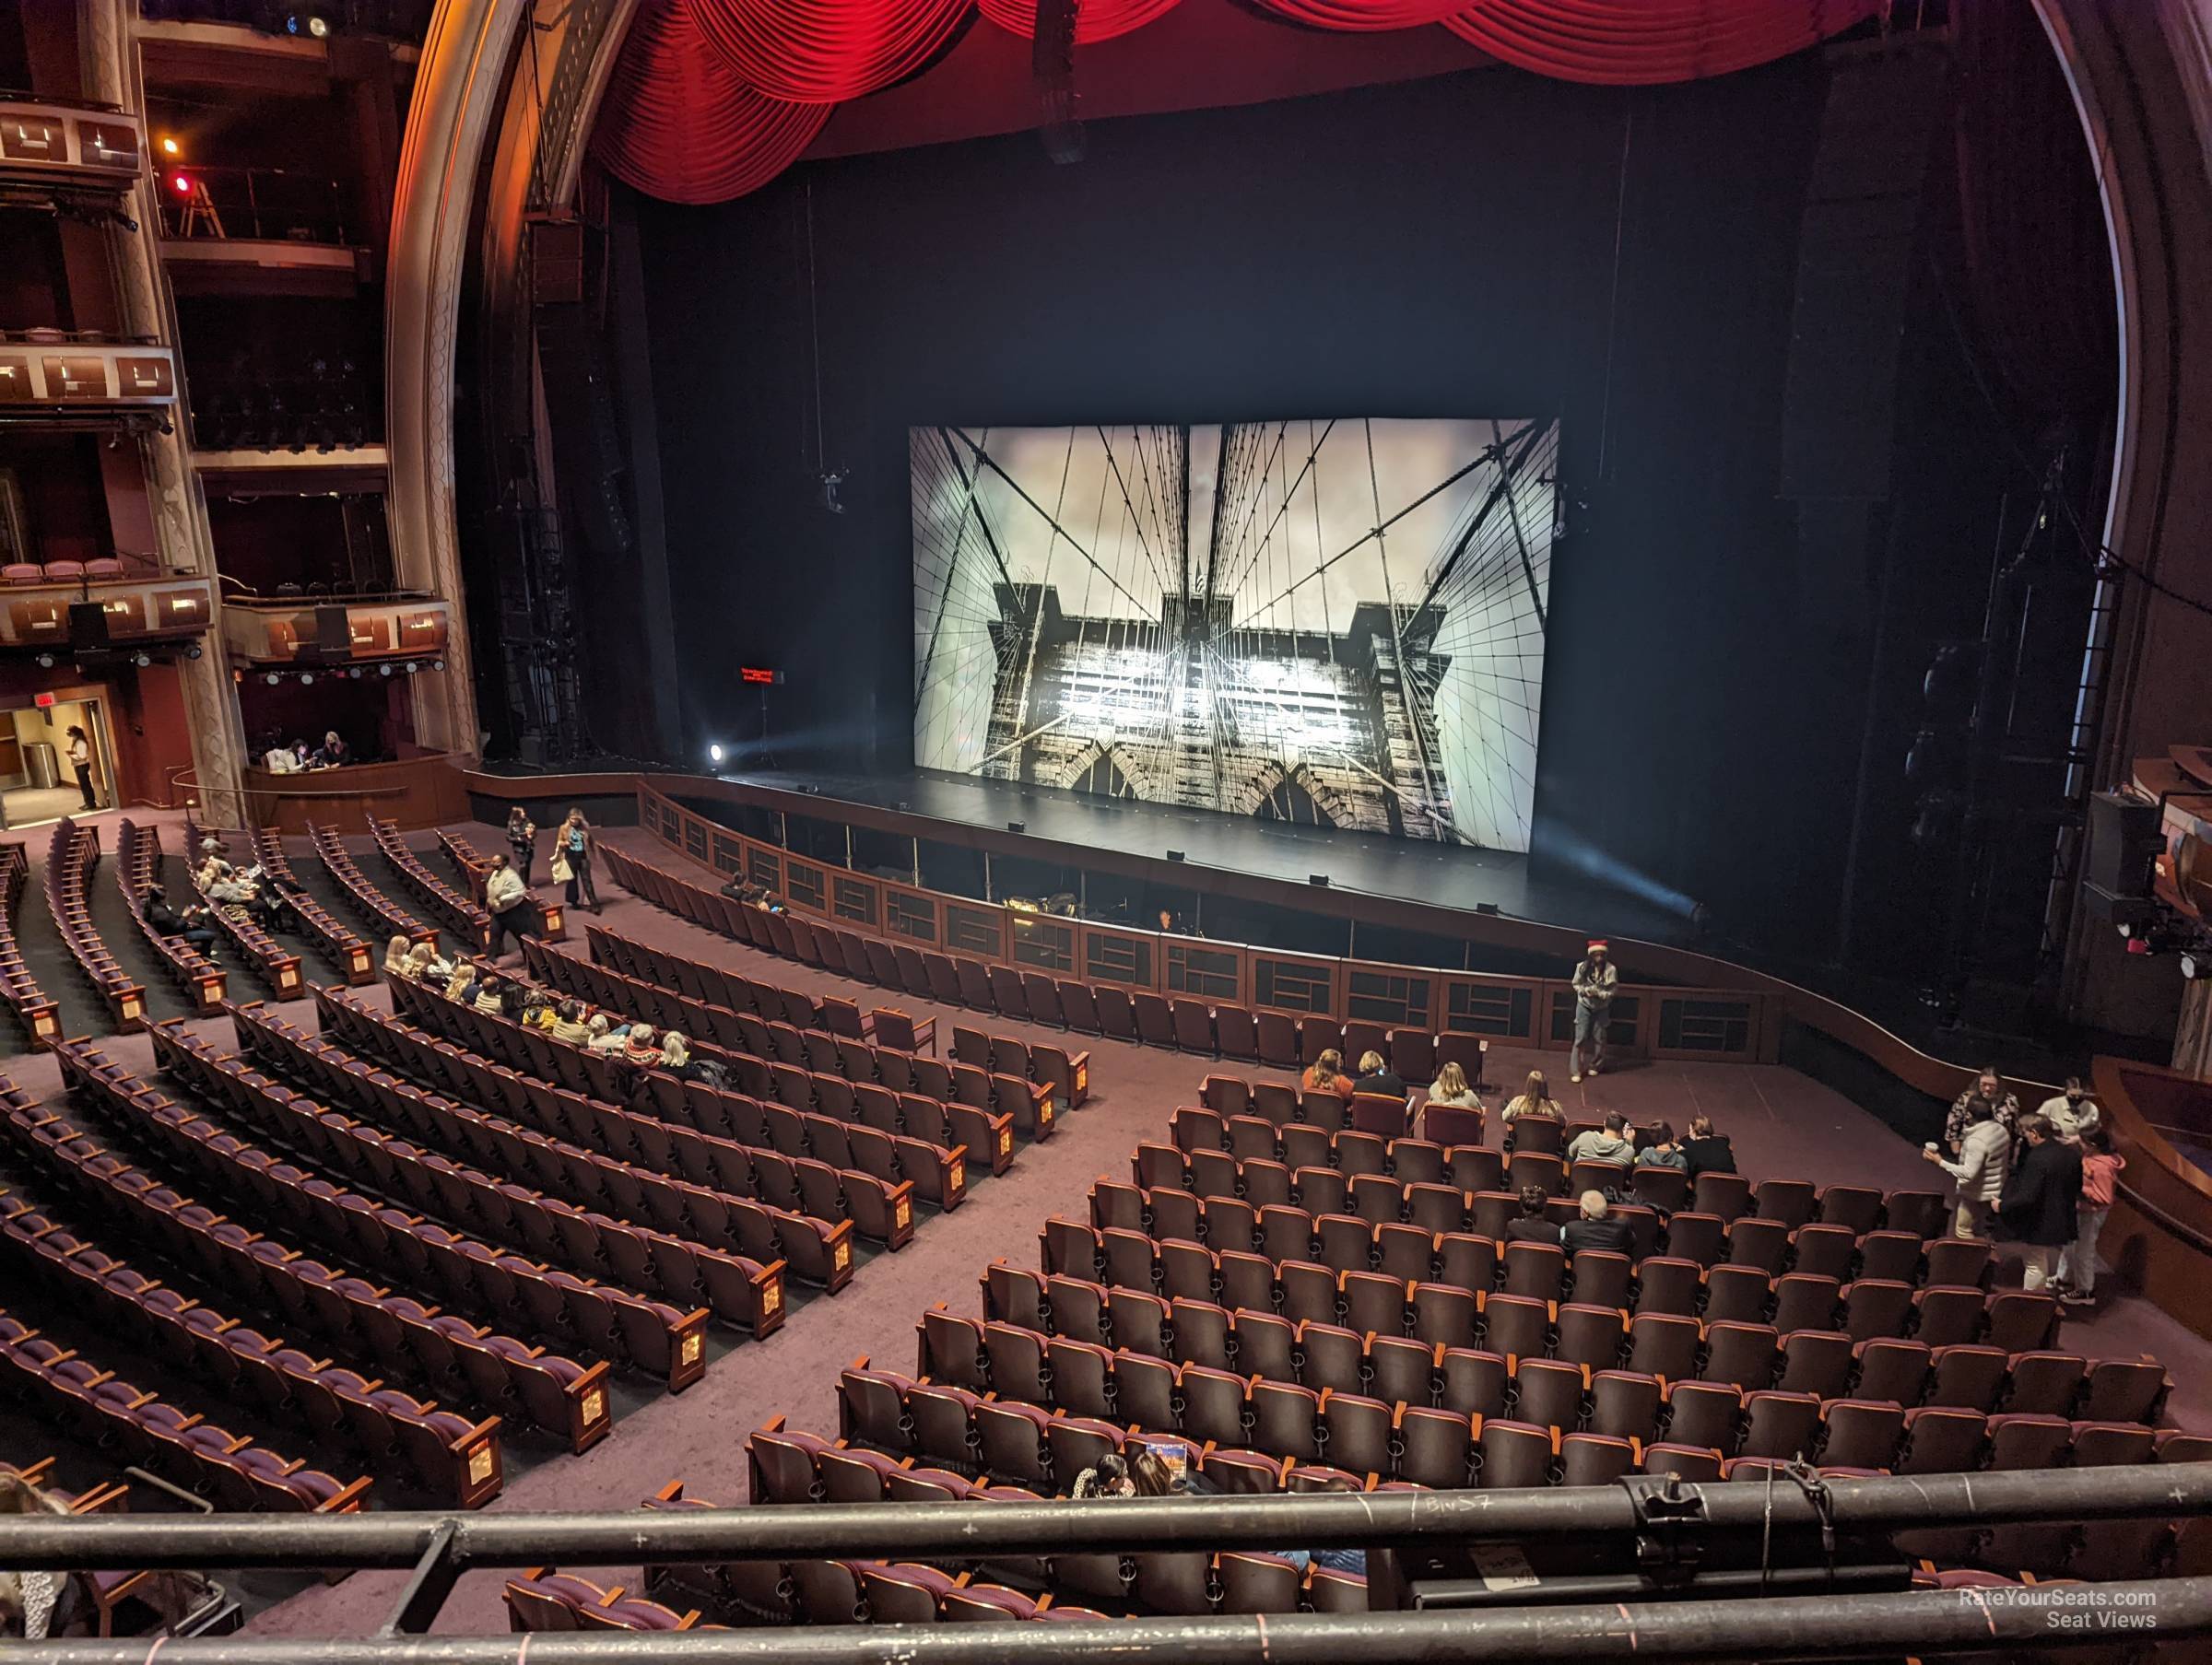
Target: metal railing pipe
x: 1919, y: 1623
x: 968, y: 1531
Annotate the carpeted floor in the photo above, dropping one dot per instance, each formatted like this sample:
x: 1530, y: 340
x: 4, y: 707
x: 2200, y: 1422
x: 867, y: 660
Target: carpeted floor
x: 1782, y: 1123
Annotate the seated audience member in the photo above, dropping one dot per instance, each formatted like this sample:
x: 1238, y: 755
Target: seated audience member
x: 35, y: 1606
x: 1334, y: 1561
x: 462, y: 984
x: 569, y: 1024
x: 335, y: 753
x: 395, y: 956
x: 1108, y: 1478
x: 1608, y: 1143
x: 1325, y: 1075
x: 1530, y: 1226
x: 1988, y: 1092
x: 1149, y: 1473
x: 637, y: 1047
x: 1985, y: 1163
x: 1375, y: 1076
x: 277, y: 759
x: 1534, y: 1100
x: 676, y: 1057
x: 1663, y: 1152
x: 1597, y: 1228
x: 1453, y: 1089
x: 2071, y: 1112
x: 607, y: 1036
x: 1707, y: 1152
x: 164, y: 921
x: 425, y: 964
x: 537, y: 1010
x: 492, y: 997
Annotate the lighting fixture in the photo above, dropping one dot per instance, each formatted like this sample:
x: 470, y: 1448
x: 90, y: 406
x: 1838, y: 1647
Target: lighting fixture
x: 272, y: 679
x: 383, y: 670
x: 45, y: 661
x: 714, y: 751
x: 170, y: 148
x: 306, y: 677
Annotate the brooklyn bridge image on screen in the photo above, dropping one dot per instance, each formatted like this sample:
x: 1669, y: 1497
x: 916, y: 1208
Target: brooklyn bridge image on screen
x: 1339, y: 623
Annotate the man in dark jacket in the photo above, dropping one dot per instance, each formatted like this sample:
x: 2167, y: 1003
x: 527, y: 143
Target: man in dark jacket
x: 164, y: 921
x: 1597, y: 1228
x: 2039, y: 1201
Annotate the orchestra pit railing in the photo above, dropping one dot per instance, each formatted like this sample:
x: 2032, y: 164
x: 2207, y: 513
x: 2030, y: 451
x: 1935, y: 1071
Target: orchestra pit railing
x: 1658, y: 1526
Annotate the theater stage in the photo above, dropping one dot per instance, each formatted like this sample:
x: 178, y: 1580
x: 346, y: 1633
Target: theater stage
x: 1515, y: 887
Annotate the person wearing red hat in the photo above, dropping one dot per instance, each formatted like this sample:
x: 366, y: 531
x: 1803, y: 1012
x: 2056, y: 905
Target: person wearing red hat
x: 1594, y: 982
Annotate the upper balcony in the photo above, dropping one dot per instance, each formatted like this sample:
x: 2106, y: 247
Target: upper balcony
x: 393, y: 630
x: 64, y: 157
x: 257, y: 45
x: 260, y: 231
x: 85, y: 606
x: 62, y: 378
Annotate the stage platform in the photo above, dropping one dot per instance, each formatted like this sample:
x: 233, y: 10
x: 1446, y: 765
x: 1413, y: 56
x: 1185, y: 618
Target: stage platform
x: 1438, y: 875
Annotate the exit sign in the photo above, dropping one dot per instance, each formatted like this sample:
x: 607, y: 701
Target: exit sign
x: 43, y: 701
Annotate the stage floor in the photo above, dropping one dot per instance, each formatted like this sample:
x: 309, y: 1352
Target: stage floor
x: 1363, y: 863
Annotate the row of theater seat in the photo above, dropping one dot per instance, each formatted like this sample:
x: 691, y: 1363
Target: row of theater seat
x: 452, y: 1460
x: 99, y: 569
x: 389, y: 917
x: 769, y: 1210
x: 397, y: 1337
x: 1463, y: 1315
x: 654, y: 1266
x: 1139, y: 1016
x: 517, y: 1069
x: 1018, y: 1351
x: 273, y: 962
x: 138, y: 864
x: 456, y: 912
x: 102, y: 1408
x: 69, y: 859
x: 335, y: 939
x: 1458, y: 1237
x: 602, y: 1319
x: 1259, y: 1148
x: 18, y: 985
x: 839, y: 1039
x: 818, y: 1110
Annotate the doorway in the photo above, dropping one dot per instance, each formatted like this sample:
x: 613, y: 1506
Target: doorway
x: 37, y: 783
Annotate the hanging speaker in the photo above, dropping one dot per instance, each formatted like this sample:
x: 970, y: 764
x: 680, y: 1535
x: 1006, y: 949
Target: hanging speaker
x: 88, y: 627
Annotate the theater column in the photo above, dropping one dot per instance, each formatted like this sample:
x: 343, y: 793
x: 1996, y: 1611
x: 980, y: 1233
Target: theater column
x: 179, y: 512
x: 455, y: 102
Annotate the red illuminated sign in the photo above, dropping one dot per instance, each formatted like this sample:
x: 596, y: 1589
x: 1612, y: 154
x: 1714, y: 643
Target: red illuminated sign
x: 758, y: 673
x: 43, y: 701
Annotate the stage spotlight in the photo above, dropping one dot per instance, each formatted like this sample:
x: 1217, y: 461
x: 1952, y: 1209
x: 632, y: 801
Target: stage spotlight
x: 437, y: 664
x: 306, y: 678
x: 193, y: 652
x: 181, y: 184
x: 714, y: 751
x: 273, y: 679
x: 383, y: 670
x: 45, y: 661
x: 170, y: 147
x: 142, y: 660
x: 2196, y: 963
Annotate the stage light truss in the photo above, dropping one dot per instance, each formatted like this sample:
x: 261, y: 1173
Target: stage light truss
x: 1332, y: 622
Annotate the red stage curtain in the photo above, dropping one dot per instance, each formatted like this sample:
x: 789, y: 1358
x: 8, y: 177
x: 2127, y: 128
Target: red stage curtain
x: 1095, y: 19
x: 1646, y: 41
x: 678, y: 124
x: 819, y: 52
x: 1367, y: 14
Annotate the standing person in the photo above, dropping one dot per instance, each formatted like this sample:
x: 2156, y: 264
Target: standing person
x: 1985, y: 1163
x: 1989, y: 1095
x: 574, y: 845
x: 521, y: 839
x: 1595, y: 980
x: 2100, y: 1167
x: 506, y: 899
x: 2042, y: 1198
x: 80, y: 759
x: 2071, y: 1112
